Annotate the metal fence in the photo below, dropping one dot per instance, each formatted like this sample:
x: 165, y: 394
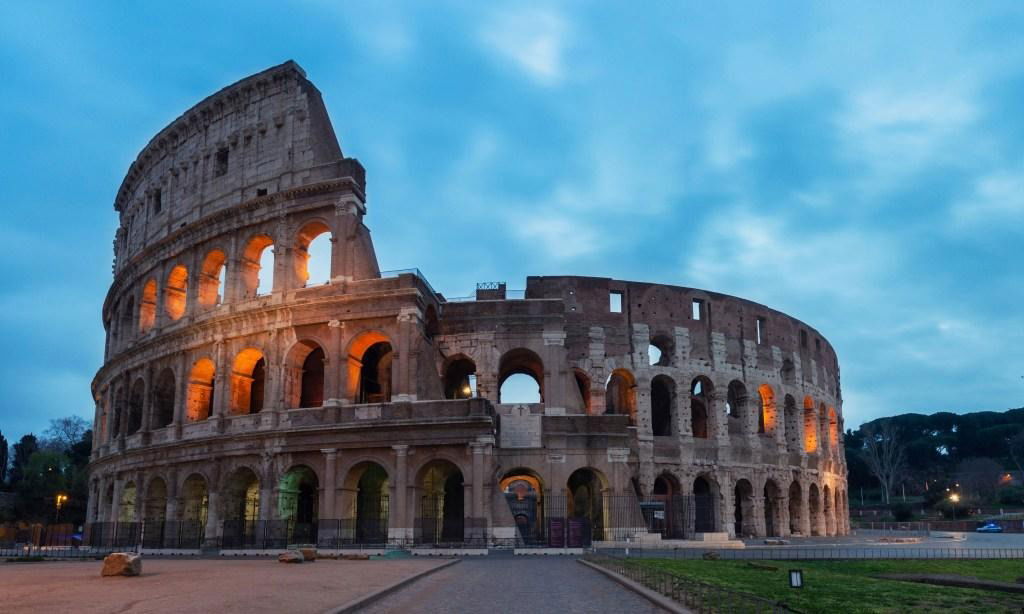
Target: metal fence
x: 795, y: 553
x: 693, y: 594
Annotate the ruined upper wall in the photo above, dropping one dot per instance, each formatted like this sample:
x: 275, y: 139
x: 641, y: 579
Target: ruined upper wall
x: 264, y: 134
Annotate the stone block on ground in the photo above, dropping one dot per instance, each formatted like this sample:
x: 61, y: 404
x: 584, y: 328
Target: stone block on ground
x: 290, y: 556
x: 308, y: 554
x: 121, y: 564
x: 356, y: 557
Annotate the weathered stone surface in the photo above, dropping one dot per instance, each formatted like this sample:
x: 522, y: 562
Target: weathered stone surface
x: 290, y: 556
x: 356, y: 557
x: 308, y: 554
x: 224, y: 375
x: 121, y: 564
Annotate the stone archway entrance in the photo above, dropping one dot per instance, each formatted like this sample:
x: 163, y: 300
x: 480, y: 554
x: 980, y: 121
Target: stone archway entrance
x: 743, y: 511
x: 525, y: 496
x: 586, y: 502
x: 441, y: 514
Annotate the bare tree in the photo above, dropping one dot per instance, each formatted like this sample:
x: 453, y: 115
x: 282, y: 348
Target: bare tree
x: 885, y: 455
x: 65, y: 432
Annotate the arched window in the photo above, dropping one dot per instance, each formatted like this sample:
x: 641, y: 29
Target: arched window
x: 736, y: 406
x: 176, y: 292
x: 520, y: 377
x: 135, y: 402
x: 163, y: 399
x: 211, y: 279
x: 200, y: 390
x: 155, y: 506
x: 312, y: 258
x: 768, y: 415
x: 659, y: 352
x: 375, y: 374
x: 810, y: 426
x: 833, y: 428
x: 663, y: 394
x: 258, y: 266
x: 248, y: 378
x: 700, y: 401
x: 460, y: 378
x: 127, y: 317
x: 312, y: 394
x: 147, y: 306
x: 441, y: 505
x: 620, y: 394
x: 583, y: 387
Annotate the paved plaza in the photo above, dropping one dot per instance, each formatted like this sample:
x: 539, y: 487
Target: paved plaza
x: 198, y: 585
x: 511, y: 585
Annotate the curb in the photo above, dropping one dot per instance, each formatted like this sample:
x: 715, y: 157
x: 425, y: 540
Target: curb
x: 656, y: 598
x: 361, y: 602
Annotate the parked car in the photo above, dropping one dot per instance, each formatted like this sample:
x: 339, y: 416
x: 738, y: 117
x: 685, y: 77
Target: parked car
x: 989, y: 527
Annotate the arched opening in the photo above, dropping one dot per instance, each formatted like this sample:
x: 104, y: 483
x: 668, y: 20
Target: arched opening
x: 441, y: 504
x: 211, y: 277
x: 772, y: 514
x: 586, y: 502
x: 369, y: 507
x: 312, y: 256
x: 814, y: 508
x: 155, y: 507
x: 200, y: 391
x: 768, y: 415
x: 660, y: 350
x: 520, y: 377
x: 743, y: 511
x: 666, y: 512
x: 705, y: 505
x: 126, y: 506
x: 163, y: 399
x: 257, y: 265
x: 736, y: 407
x: 135, y: 402
x: 242, y: 496
x: 248, y: 380
x: 120, y: 407
x: 460, y: 378
x: 304, y: 375
x: 524, y: 494
x: 796, y: 501
x: 829, y: 510
x: 298, y: 503
x: 195, y: 501
x: 147, y: 306
x: 375, y: 373
x: 583, y: 388
x: 700, y: 397
x: 127, y: 319
x: 833, y: 428
x: 793, y: 442
x: 810, y: 427
x: 176, y: 292
x: 620, y: 394
x: 663, y: 395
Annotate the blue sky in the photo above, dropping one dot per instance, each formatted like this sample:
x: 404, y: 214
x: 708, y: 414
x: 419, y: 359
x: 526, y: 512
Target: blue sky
x: 859, y: 166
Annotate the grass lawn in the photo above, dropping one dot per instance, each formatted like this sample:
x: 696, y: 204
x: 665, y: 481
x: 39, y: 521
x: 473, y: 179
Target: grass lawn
x: 847, y: 586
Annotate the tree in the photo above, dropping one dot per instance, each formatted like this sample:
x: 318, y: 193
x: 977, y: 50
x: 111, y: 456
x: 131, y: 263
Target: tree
x: 979, y: 478
x: 3, y: 459
x: 23, y: 450
x: 885, y: 455
x: 43, y: 476
x: 65, y: 432
x: 1015, y: 445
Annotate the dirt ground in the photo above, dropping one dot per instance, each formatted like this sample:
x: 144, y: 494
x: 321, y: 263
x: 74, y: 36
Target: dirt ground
x: 198, y: 585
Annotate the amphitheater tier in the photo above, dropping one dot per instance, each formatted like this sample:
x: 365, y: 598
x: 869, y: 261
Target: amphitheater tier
x: 371, y: 407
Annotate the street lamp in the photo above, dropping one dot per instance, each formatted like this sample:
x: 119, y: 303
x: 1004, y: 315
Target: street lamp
x: 61, y: 500
x: 955, y: 498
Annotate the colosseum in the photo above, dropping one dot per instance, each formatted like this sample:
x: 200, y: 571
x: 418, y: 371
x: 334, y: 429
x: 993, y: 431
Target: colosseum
x: 241, y: 405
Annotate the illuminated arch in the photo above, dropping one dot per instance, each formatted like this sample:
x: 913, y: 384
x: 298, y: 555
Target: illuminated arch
x: 176, y: 292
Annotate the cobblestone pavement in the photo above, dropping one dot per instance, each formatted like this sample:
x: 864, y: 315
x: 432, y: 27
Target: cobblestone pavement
x: 505, y: 584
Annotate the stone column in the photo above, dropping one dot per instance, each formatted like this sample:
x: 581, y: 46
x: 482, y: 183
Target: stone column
x: 477, y: 449
x: 401, y: 380
x: 757, y: 509
x: 90, y: 506
x: 400, y: 526
x: 330, y: 487
x: 115, y: 505
x: 222, y: 386
x: 782, y: 514
x: 212, y: 516
x: 333, y: 392
x: 805, y: 511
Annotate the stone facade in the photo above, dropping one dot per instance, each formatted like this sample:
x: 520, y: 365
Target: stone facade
x: 226, y: 397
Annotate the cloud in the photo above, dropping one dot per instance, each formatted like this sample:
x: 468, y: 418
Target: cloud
x: 533, y: 40
x: 996, y: 200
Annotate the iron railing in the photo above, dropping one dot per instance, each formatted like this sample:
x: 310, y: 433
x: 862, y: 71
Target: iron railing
x: 693, y: 594
x: 799, y: 553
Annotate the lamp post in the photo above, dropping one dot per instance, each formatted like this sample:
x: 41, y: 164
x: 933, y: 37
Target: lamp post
x: 955, y: 498
x: 61, y: 500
